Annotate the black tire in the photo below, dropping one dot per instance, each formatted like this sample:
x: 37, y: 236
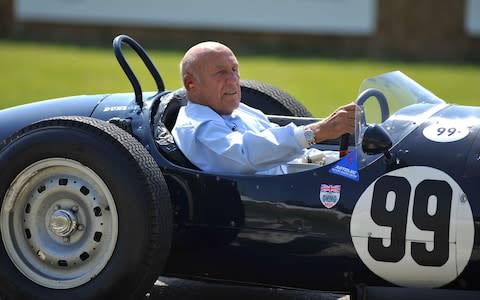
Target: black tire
x: 271, y: 100
x: 68, y: 172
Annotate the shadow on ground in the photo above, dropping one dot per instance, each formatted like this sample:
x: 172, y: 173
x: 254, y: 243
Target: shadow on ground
x: 167, y: 288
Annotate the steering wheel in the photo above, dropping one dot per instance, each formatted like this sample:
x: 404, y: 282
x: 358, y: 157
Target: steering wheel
x: 362, y: 98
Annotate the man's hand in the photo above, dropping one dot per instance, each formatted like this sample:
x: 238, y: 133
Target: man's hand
x: 341, y: 121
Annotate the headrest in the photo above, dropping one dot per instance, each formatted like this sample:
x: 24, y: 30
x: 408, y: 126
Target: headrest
x: 170, y: 105
x: 164, y: 121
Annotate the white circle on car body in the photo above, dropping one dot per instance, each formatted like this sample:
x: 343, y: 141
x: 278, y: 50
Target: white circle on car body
x: 445, y: 132
x: 414, y: 227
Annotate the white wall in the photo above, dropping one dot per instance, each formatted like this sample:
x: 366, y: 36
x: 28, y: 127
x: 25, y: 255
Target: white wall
x: 472, y: 17
x: 339, y: 17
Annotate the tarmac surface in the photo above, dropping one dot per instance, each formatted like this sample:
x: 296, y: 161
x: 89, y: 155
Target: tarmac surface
x: 168, y: 288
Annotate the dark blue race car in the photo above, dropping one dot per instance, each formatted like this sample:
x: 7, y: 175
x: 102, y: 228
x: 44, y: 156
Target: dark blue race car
x: 97, y: 200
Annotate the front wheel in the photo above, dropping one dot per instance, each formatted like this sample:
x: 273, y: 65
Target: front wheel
x: 85, y: 213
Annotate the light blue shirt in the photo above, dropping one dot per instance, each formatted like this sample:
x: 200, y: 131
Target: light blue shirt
x: 245, y: 142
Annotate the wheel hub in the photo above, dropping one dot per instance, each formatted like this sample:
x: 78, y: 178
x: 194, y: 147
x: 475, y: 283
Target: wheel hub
x: 63, y: 222
x: 59, y: 223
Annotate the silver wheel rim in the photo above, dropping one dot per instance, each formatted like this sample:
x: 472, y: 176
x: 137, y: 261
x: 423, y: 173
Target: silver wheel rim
x: 59, y: 223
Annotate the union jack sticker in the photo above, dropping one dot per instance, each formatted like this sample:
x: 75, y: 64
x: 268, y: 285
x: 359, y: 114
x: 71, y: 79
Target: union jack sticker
x: 330, y: 194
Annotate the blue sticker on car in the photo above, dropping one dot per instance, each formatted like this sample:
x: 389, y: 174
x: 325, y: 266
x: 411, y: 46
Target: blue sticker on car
x: 347, y: 167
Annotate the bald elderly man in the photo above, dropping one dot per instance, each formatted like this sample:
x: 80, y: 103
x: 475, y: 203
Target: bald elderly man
x: 219, y: 134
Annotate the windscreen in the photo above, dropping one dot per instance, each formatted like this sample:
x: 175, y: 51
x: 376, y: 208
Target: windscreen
x: 406, y: 105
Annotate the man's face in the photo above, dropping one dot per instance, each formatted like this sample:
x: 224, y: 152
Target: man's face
x: 216, y: 81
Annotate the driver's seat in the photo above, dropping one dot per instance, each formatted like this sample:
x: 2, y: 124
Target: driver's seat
x: 164, y: 120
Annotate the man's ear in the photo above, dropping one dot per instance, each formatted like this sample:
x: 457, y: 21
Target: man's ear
x: 188, y: 82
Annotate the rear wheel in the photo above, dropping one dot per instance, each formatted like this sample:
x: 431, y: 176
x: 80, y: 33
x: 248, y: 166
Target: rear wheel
x: 271, y: 100
x: 85, y: 213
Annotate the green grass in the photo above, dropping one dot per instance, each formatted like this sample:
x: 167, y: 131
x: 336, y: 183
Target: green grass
x: 31, y: 72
